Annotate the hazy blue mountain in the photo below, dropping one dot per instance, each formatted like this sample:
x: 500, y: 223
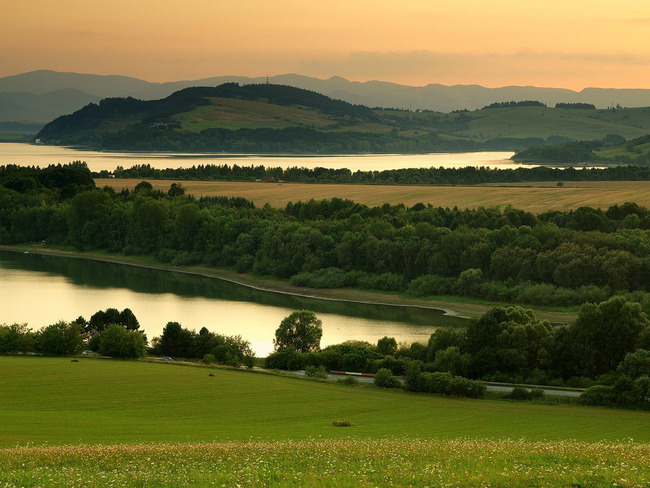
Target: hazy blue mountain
x: 45, y: 81
x: 45, y: 107
x: 43, y: 95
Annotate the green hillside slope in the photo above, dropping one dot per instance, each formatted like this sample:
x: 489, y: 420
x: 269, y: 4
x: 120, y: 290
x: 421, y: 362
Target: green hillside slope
x: 281, y: 119
x: 56, y: 401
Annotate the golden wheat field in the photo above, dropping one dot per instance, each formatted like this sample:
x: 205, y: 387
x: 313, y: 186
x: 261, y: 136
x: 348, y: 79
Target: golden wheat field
x: 533, y: 197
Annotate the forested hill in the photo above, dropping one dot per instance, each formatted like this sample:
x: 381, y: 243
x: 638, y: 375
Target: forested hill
x: 268, y: 118
x: 170, y: 123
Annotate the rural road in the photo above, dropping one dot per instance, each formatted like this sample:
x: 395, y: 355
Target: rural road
x: 490, y: 386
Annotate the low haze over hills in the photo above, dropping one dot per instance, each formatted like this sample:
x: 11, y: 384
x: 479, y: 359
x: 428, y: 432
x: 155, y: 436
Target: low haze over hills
x: 44, y: 95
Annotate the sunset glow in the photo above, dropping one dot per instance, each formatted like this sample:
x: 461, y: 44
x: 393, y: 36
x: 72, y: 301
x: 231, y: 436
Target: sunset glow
x: 554, y: 43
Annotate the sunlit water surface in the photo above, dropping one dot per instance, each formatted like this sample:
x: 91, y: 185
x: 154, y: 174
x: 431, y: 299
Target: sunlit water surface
x: 40, y: 155
x: 41, y: 290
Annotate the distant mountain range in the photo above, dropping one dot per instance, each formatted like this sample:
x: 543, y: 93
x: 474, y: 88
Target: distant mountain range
x: 44, y: 95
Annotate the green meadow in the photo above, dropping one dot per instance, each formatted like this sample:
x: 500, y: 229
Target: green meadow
x: 93, y: 401
x: 490, y: 123
x: 99, y: 422
x: 233, y: 113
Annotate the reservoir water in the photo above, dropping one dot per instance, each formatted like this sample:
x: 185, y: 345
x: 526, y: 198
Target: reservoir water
x: 40, y: 290
x: 40, y: 155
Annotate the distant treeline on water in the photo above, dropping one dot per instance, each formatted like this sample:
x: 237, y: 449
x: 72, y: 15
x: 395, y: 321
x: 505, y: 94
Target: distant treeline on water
x: 408, y: 176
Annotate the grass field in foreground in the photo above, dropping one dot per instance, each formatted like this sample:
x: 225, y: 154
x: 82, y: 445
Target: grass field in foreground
x: 533, y: 197
x: 345, y: 463
x: 92, y: 401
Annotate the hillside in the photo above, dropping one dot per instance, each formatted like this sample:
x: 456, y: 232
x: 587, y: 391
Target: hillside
x: 612, y: 150
x: 268, y: 118
x: 149, y: 402
x: 231, y: 118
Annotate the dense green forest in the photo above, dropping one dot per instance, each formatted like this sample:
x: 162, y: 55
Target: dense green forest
x: 559, y: 258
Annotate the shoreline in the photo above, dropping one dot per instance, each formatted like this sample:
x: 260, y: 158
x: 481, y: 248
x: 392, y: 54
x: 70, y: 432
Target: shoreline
x: 449, y: 308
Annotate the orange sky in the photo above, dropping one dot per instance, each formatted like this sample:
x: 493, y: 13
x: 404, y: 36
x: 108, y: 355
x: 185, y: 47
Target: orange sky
x: 569, y: 43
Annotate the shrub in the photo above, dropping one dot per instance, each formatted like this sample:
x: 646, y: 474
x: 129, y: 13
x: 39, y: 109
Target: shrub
x: 244, y: 264
x: 436, y: 382
x: 316, y: 372
x: 187, y: 259
x: 469, y: 281
x: 341, y: 423
x: 413, y: 377
x: 117, y: 341
x: 60, y: 339
x: 395, y: 366
x: 452, y: 361
x: 387, y: 346
x: 384, y: 281
x: 536, y: 393
x: 348, y: 380
x: 598, y: 395
x: 209, y: 359
x: 520, y: 393
x: 538, y: 294
x: 288, y: 359
x: 385, y: 379
x: 348, y: 356
x: 16, y: 338
x: 463, y: 387
x: 166, y: 255
x: 428, y: 285
x: 635, y: 364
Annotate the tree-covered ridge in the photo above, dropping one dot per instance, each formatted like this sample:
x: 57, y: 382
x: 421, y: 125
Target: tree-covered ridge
x: 90, y: 124
x: 523, y: 103
x: 284, y: 119
x: 611, y: 149
x: 578, y: 106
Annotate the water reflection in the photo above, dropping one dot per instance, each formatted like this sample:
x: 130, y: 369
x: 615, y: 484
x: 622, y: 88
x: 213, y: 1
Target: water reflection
x: 40, y: 289
x: 37, y: 155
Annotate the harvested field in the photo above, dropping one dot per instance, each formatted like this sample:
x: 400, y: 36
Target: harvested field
x: 533, y: 197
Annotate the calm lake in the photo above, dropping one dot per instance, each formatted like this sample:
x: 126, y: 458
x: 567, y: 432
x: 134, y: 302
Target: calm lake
x: 38, y: 155
x: 40, y: 290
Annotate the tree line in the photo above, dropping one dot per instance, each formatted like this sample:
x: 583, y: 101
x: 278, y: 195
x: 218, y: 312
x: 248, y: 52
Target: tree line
x: 117, y: 334
x: 606, y: 348
x: 407, y: 176
x: 512, y: 104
